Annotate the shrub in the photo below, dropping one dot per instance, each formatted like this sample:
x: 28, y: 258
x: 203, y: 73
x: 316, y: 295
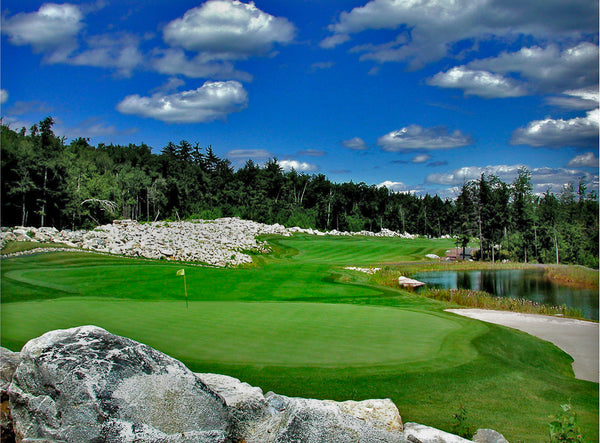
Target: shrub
x: 564, y: 427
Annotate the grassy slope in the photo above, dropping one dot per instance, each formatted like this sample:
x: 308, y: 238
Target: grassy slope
x: 335, y: 349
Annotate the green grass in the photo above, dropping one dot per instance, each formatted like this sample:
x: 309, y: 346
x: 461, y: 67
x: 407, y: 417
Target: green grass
x: 299, y: 324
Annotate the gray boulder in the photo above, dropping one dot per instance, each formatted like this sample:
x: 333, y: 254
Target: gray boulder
x: 8, y: 365
x: 418, y: 433
x: 87, y: 385
x: 309, y: 420
x: 489, y: 436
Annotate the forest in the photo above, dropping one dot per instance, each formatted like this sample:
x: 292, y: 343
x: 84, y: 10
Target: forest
x: 47, y: 182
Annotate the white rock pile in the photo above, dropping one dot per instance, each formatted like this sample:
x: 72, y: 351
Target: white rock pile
x: 221, y: 242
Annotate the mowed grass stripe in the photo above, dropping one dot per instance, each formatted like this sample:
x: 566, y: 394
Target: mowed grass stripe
x: 273, y: 334
x: 363, y: 250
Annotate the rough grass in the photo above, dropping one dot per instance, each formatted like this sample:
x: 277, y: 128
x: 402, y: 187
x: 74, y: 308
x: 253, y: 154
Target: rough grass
x: 298, y: 324
x: 12, y: 247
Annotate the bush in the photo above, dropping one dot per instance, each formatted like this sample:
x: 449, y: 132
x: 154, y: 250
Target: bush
x: 564, y: 427
x: 461, y: 427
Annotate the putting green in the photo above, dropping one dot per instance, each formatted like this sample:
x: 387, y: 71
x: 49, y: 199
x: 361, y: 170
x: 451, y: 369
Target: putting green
x: 272, y: 334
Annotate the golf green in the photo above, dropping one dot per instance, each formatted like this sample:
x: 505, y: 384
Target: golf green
x: 273, y: 334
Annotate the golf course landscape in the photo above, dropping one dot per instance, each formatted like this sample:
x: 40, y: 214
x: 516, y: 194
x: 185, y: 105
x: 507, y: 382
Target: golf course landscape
x: 297, y: 323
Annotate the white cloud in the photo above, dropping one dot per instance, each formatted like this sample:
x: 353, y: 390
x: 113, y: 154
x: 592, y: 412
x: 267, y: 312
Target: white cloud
x: 3, y: 96
x: 92, y: 128
x: 427, y: 29
x: 417, y: 137
x: 238, y: 154
x: 394, y: 186
x: 476, y: 82
x: 584, y: 160
x: 312, y: 152
x: 422, y: 158
x: 212, y: 101
x: 542, y: 179
x: 356, y: 143
x: 288, y: 165
x: 228, y: 29
x: 554, y: 133
x: 108, y: 51
x: 580, y: 99
x: 321, y: 65
x: 548, y: 69
x: 175, y: 61
x: 334, y: 40
x: 52, y: 28
x: 467, y: 173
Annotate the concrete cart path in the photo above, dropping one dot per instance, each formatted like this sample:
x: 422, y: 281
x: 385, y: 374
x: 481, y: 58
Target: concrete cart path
x: 577, y: 338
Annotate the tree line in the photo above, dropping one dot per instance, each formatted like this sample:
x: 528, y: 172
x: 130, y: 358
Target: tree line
x: 47, y: 182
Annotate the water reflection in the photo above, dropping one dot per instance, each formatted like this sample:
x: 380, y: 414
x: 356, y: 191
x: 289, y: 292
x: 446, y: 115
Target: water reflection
x: 529, y: 284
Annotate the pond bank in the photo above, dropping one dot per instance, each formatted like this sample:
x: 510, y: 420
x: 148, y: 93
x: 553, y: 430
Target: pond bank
x: 578, y: 338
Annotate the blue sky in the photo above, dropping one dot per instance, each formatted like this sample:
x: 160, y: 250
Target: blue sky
x: 418, y: 96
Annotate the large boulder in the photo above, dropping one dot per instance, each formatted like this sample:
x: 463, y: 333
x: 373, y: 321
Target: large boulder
x: 8, y: 365
x: 277, y: 418
x: 310, y: 420
x: 87, y: 385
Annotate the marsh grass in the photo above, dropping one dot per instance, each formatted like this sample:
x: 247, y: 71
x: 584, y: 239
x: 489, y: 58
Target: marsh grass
x: 483, y: 300
x: 573, y: 275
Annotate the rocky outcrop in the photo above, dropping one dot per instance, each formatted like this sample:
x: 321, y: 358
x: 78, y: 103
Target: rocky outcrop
x: 87, y: 385
x: 221, y: 242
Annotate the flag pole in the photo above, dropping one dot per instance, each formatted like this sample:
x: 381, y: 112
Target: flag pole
x: 185, y: 289
x: 181, y: 272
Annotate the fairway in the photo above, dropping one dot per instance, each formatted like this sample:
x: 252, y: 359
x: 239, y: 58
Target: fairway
x: 277, y: 334
x: 298, y: 324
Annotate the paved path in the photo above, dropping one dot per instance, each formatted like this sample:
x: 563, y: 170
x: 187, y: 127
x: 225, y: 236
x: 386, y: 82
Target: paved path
x: 577, y: 338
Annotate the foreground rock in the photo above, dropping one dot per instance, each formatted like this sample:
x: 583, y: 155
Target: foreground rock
x: 221, y: 242
x: 87, y: 385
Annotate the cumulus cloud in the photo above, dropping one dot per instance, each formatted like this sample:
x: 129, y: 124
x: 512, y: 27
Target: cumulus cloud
x: 542, y: 179
x: 212, y: 101
x: 476, y: 82
x: 467, y: 173
x: 580, y: 99
x: 394, y: 186
x: 334, y: 40
x: 355, y: 143
x: 549, y: 69
x: 288, y: 165
x: 175, y: 61
x: 52, y: 28
x: 92, y: 127
x: 422, y: 158
x: 3, y: 96
x: 417, y: 137
x: 556, y: 133
x: 584, y: 160
x: 120, y: 52
x: 427, y: 29
x: 228, y: 29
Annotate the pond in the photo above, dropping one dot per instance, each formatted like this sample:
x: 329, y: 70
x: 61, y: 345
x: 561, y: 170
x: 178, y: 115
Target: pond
x: 529, y: 284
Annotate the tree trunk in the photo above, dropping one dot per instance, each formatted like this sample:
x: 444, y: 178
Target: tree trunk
x: 556, y: 245
x: 23, y: 213
x: 43, y: 212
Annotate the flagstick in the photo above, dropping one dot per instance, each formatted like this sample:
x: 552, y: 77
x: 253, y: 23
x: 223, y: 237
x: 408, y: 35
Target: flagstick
x: 185, y: 289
